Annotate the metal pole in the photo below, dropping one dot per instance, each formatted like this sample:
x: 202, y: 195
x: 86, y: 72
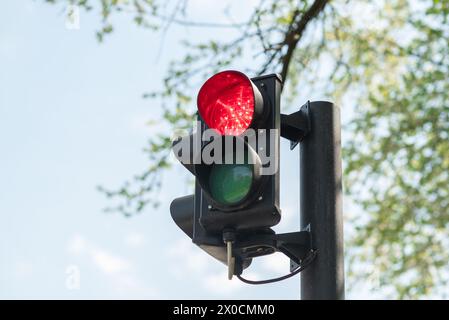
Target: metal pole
x: 321, y: 203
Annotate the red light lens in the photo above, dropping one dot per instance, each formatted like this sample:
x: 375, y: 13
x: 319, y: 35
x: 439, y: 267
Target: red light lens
x: 226, y: 102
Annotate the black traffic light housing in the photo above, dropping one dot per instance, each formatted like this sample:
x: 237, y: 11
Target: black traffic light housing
x: 207, y: 222
x: 262, y: 208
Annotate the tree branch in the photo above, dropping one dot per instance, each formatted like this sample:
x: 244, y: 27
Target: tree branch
x: 296, y: 32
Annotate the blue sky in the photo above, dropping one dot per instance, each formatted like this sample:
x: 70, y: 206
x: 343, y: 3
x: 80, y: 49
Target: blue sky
x: 71, y: 118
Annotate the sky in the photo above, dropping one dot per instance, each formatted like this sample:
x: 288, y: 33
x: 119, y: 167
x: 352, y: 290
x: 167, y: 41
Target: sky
x: 72, y: 117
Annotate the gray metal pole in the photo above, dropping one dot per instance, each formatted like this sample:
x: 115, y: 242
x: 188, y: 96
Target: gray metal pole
x: 321, y: 203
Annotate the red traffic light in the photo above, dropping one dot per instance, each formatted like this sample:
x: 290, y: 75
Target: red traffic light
x: 229, y: 102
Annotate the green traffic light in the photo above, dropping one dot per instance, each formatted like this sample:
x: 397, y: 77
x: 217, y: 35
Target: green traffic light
x: 230, y: 183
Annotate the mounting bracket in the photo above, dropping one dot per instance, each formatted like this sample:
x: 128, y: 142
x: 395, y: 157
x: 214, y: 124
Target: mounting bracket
x: 295, y: 245
x: 296, y: 126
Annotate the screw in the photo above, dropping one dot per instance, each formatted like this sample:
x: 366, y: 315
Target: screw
x: 260, y: 198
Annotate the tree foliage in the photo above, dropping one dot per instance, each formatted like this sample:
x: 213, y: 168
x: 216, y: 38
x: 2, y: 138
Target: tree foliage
x: 387, y: 62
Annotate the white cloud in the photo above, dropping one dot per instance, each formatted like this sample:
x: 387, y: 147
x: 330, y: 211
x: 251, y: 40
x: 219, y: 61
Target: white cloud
x: 129, y: 287
x: 135, y: 240
x: 119, y: 270
x: 204, y: 269
x: 109, y: 263
x: 276, y: 263
x: 218, y: 283
x: 77, y: 244
x: 105, y: 261
x: 192, y: 258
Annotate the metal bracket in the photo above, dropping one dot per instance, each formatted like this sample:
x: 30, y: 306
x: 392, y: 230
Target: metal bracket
x: 293, y: 264
x: 296, y: 126
x: 295, y: 245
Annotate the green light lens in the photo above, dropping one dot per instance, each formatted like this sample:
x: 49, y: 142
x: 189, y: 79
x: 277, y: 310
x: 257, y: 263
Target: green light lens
x: 230, y: 183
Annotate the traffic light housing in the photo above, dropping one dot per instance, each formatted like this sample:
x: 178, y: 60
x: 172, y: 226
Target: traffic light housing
x: 259, y: 206
x: 237, y: 193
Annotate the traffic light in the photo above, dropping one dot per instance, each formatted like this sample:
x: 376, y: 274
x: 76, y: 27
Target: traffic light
x: 234, y: 156
x: 245, y: 115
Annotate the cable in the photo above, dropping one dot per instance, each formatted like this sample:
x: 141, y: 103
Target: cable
x: 307, y: 261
